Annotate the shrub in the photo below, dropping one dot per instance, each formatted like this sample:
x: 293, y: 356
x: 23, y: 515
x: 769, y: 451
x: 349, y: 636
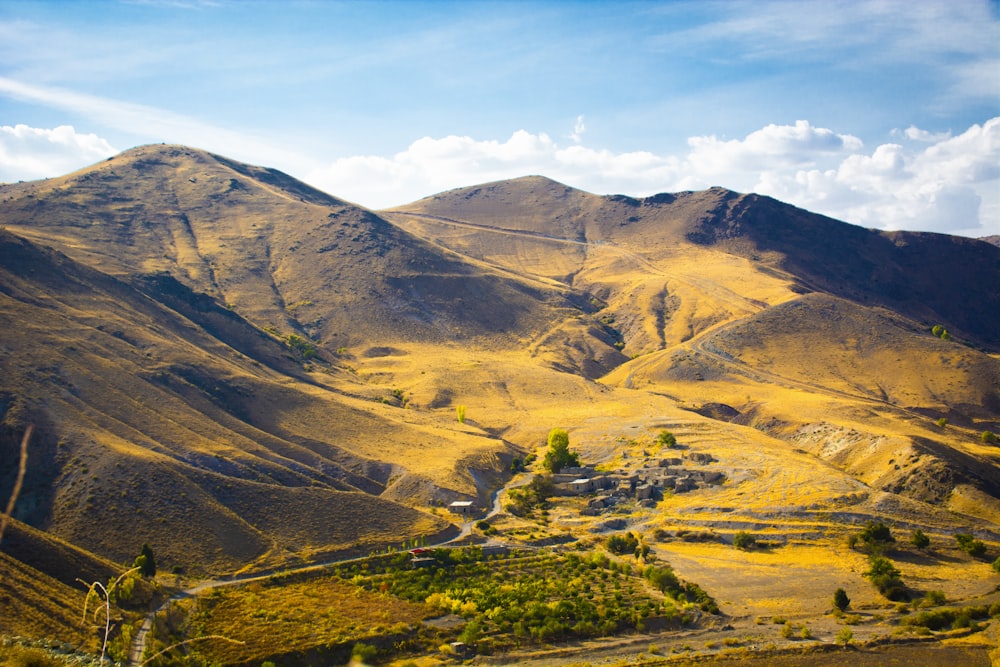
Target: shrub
x: 840, y: 599
x: 364, y: 652
x: 744, y: 540
x: 875, y: 538
x: 886, y: 578
x: 996, y: 565
x: 920, y: 539
x: 970, y: 545
x: 989, y: 438
x: 300, y: 346
x: 844, y: 636
x: 666, y: 439
x: 942, y: 421
x: 787, y: 630
x: 460, y: 413
x: 622, y: 544
x: 934, y: 598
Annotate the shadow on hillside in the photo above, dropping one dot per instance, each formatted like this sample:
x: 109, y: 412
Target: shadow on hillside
x: 926, y: 557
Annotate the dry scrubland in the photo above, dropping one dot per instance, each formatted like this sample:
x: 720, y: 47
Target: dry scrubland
x: 252, y: 375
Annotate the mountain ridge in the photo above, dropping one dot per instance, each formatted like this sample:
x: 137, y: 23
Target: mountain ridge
x: 246, y: 372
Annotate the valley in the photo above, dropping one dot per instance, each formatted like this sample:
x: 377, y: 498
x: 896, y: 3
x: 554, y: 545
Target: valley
x: 257, y: 378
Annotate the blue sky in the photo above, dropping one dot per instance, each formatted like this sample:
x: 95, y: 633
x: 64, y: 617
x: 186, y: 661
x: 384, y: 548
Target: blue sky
x: 885, y: 114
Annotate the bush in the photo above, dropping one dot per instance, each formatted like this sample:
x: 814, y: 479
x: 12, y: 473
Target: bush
x: 934, y: 599
x: 364, y: 652
x: 840, y: 599
x: 886, y: 578
x: 460, y: 413
x: 666, y: 439
x: 622, y: 544
x: 844, y: 636
x: 919, y: 539
x: 970, y: 545
x: 300, y: 346
x: 744, y: 540
x: 996, y: 565
x: 989, y: 438
x: 942, y: 421
x: 875, y: 538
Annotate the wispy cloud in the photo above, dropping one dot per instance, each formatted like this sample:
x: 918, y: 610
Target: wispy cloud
x: 157, y: 125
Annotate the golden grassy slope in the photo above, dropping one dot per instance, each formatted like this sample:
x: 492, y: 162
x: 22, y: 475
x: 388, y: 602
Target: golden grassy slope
x: 278, y: 252
x: 162, y: 413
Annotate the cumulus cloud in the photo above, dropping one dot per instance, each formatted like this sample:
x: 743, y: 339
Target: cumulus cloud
x: 31, y: 152
x: 923, y: 181
x: 942, y: 183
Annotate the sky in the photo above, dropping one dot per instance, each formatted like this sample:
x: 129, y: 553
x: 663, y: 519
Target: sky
x: 884, y: 114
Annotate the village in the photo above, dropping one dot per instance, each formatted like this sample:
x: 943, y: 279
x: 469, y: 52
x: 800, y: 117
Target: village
x: 647, y: 484
x: 647, y: 481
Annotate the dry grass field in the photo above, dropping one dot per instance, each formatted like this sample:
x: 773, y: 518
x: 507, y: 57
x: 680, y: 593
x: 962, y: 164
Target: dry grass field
x: 247, y: 373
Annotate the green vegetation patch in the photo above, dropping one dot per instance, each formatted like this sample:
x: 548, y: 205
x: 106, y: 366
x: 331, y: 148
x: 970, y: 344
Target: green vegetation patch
x: 495, y: 601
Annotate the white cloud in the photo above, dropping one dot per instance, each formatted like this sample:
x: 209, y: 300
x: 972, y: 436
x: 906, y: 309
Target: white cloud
x: 152, y: 124
x: 927, y: 181
x: 30, y: 152
x: 947, y: 184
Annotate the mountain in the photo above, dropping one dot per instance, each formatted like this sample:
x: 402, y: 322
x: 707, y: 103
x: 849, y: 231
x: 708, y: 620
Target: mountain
x: 916, y: 274
x: 273, y: 249
x: 741, y: 300
x: 247, y: 373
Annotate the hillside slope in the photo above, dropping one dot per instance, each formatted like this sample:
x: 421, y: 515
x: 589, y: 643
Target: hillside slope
x: 157, y: 431
x: 281, y: 254
x: 918, y: 275
x: 789, y: 320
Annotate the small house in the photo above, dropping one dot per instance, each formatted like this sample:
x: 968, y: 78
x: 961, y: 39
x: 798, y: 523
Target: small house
x: 461, y: 507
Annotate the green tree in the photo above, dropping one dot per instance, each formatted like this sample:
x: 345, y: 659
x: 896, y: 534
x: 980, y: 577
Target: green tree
x: 666, y: 439
x: 744, y: 540
x: 886, y: 578
x: 919, y: 539
x: 622, y: 544
x: 876, y: 538
x: 460, y: 413
x: 840, y: 599
x: 145, y: 561
x: 559, y: 456
x: 970, y: 545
